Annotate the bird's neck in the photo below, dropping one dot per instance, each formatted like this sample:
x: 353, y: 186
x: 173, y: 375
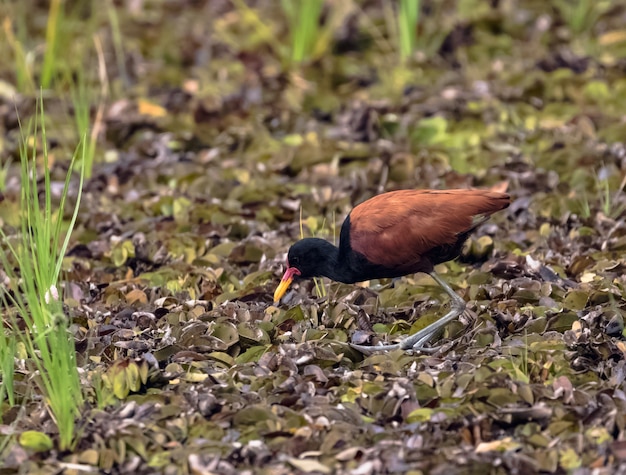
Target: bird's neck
x: 333, y: 264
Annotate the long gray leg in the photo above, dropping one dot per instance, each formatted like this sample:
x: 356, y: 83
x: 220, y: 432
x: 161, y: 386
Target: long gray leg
x: 417, y: 341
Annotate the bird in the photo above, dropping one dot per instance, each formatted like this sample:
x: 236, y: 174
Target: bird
x: 395, y: 234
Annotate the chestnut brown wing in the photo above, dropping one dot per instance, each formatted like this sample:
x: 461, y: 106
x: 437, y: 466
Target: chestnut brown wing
x: 396, y: 229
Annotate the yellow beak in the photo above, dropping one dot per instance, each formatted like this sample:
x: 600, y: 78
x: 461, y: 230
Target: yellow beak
x: 285, y: 283
x: 282, y: 288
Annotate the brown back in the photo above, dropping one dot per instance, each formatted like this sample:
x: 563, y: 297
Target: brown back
x: 395, y: 229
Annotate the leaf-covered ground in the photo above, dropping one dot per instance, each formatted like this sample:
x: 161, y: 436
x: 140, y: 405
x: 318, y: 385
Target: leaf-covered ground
x: 214, y: 155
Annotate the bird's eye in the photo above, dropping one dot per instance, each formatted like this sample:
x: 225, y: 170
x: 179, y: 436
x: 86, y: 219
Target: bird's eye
x: 294, y: 261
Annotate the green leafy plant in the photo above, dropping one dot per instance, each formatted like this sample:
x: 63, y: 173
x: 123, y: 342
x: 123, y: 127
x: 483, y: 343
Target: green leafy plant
x: 32, y: 260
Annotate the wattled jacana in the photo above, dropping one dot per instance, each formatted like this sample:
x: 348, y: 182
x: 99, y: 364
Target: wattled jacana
x: 395, y: 234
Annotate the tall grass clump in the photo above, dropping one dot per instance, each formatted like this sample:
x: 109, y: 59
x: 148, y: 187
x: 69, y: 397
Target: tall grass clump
x: 32, y: 259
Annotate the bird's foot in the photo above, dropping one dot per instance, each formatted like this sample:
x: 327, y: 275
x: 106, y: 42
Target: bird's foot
x: 368, y: 350
x: 413, y: 343
x: 416, y: 342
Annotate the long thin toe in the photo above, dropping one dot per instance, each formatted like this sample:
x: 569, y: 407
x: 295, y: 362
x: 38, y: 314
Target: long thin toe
x: 368, y: 350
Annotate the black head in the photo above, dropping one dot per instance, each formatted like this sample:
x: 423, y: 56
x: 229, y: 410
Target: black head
x: 311, y: 256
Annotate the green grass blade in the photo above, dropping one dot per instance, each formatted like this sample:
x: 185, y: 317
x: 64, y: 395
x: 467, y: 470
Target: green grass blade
x: 7, y: 360
x: 408, y: 15
x: 55, y: 15
x: 304, y: 25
